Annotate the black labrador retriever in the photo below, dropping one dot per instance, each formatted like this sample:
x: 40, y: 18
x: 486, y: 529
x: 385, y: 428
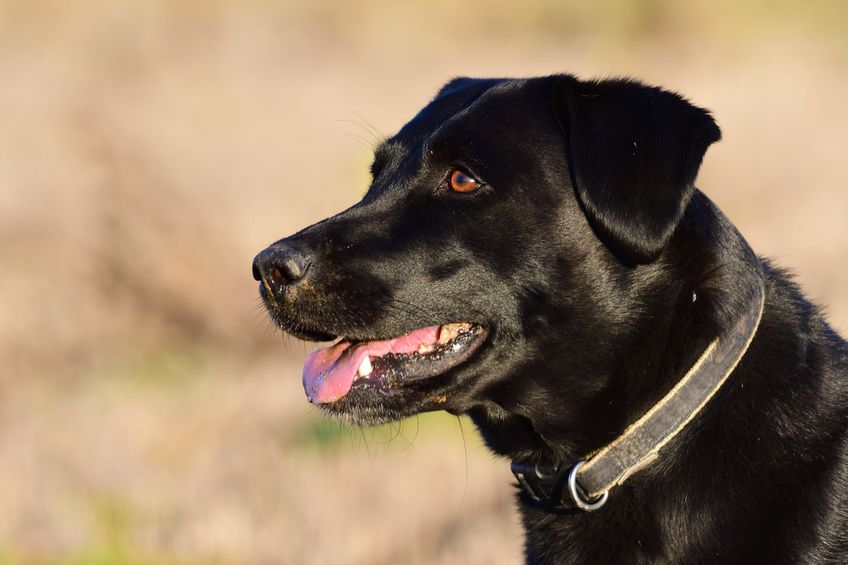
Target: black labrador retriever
x: 533, y: 253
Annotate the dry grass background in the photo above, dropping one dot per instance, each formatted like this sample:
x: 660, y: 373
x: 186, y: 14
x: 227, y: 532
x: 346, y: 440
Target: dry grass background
x: 148, y: 149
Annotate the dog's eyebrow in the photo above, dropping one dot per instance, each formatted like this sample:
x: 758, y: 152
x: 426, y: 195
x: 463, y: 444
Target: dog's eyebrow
x: 383, y: 155
x: 470, y: 104
x: 395, y: 151
x: 392, y: 149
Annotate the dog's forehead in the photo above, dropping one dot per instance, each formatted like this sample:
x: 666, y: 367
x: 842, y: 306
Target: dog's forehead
x: 454, y: 98
x: 457, y: 103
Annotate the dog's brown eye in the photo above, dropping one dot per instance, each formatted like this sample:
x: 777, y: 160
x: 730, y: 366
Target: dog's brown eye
x: 462, y: 182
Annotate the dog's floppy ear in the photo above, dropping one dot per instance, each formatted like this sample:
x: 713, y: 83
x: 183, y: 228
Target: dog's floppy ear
x: 634, y: 153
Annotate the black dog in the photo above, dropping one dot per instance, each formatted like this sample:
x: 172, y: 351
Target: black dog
x: 533, y: 253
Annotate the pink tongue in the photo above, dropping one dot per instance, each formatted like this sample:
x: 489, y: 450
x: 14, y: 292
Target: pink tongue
x: 328, y: 373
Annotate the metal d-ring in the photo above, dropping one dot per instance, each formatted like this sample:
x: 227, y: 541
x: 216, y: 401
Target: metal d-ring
x: 580, y: 500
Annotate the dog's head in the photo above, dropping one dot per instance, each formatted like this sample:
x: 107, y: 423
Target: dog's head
x: 500, y: 241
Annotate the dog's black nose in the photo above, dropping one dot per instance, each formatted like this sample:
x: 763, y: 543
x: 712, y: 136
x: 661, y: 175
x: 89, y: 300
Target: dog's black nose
x: 257, y: 272
x: 281, y: 265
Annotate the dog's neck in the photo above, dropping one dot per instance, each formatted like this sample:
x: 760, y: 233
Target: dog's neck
x: 656, y: 358
x: 585, y: 485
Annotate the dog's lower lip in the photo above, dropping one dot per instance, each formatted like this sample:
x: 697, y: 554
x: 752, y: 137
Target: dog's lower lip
x: 331, y: 372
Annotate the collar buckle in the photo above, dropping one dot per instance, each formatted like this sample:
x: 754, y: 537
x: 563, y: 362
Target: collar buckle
x: 544, y: 483
x: 555, y: 486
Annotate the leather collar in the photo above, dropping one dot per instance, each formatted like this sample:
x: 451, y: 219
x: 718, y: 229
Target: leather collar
x: 585, y: 485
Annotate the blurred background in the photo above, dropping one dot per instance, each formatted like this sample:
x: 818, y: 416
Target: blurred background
x: 148, y: 413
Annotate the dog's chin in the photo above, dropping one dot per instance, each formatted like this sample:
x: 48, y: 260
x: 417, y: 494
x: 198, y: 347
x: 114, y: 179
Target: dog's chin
x: 368, y: 406
x: 392, y: 382
x: 362, y: 407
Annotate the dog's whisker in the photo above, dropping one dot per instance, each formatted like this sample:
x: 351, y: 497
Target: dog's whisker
x: 394, y: 432
x: 465, y: 450
x: 361, y: 140
x: 365, y: 123
x: 375, y: 140
x: 365, y: 442
x: 417, y: 429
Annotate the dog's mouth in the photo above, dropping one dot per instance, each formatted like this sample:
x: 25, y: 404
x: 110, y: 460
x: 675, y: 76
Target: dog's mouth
x: 330, y: 373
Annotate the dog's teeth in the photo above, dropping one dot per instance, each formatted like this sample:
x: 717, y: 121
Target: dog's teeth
x: 425, y: 348
x: 448, y: 332
x: 444, y: 335
x: 365, y: 367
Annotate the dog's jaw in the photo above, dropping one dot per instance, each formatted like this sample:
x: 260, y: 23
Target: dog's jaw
x: 385, y: 365
x: 364, y: 387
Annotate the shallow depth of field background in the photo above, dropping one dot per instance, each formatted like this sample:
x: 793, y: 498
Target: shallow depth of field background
x: 148, y: 413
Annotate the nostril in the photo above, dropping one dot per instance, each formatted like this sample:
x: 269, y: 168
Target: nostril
x: 276, y: 276
x: 281, y: 265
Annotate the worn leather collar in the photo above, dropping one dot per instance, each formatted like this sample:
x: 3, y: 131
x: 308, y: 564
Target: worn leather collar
x: 585, y: 485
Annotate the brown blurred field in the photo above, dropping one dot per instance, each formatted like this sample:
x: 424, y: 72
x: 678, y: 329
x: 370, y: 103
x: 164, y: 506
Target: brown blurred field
x: 148, y: 150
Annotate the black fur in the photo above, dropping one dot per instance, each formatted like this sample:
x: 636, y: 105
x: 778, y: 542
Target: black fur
x: 580, y: 255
